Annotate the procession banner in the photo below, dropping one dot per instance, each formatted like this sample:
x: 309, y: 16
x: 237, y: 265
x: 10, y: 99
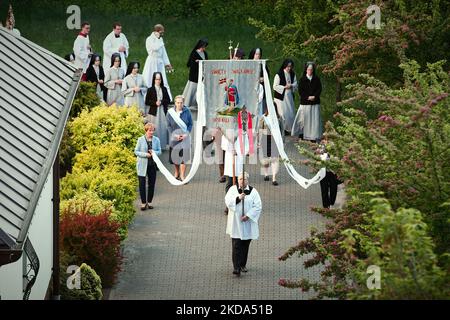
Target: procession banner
x: 224, y: 88
x: 229, y: 85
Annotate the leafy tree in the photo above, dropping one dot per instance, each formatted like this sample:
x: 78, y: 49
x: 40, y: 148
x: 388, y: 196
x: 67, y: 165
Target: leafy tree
x: 399, y: 245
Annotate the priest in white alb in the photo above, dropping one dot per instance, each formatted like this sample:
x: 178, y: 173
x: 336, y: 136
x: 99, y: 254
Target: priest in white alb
x: 114, y: 42
x: 157, y: 60
x: 244, y: 204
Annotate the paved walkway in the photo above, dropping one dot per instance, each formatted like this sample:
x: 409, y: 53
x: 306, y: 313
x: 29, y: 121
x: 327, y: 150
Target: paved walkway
x: 179, y: 250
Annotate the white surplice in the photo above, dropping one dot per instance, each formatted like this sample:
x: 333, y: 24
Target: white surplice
x: 82, y: 50
x: 111, y: 45
x: 236, y: 228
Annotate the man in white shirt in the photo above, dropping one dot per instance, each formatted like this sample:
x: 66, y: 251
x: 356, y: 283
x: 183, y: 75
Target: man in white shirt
x: 115, y: 42
x: 82, y: 48
x: 244, y: 204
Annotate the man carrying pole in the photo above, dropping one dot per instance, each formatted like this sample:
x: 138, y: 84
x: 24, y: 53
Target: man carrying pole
x: 244, y: 204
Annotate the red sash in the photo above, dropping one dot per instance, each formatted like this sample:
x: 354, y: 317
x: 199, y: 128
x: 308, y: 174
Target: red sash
x: 250, y: 133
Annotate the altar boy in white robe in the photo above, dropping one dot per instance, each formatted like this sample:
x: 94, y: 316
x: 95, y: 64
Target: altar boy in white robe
x: 115, y: 42
x: 82, y: 49
x: 242, y: 224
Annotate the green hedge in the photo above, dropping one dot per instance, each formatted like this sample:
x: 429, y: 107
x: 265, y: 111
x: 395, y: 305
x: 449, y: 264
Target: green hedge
x: 108, y: 185
x: 119, y: 125
x: 88, y: 202
x: 109, y: 156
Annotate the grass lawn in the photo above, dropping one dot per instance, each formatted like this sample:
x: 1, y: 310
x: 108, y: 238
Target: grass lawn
x: 46, y: 26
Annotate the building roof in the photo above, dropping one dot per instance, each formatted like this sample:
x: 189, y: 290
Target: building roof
x: 37, y: 89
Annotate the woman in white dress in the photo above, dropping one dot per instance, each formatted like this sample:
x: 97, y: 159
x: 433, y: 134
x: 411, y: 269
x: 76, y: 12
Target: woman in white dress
x: 284, y: 84
x: 158, y: 99
x: 157, y: 60
x: 133, y: 87
x: 113, y: 81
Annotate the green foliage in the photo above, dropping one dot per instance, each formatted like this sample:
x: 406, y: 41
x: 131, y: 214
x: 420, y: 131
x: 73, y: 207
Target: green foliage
x: 91, y: 285
x: 398, y: 243
x: 334, y: 33
x: 85, y: 99
x: 206, y: 9
x: 403, y: 154
x: 88, y: 202
x: 119, y: 125
x: 107, y: 157
x: 108, y: 185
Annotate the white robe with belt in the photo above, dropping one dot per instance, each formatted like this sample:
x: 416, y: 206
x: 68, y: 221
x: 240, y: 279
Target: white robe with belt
x: 236, y: 228
x: 111, y: 45
x: 156, y: 61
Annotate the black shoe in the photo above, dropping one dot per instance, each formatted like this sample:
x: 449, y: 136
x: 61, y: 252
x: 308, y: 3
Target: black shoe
x: 222, y: 179
x: 244, y: 269
x: 143, y: 207
x: 226, y: 211
x: 266, y: 178
x: 274, y: 183
x: 237, y: 273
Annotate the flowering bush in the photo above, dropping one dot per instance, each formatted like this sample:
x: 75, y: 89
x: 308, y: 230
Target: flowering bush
x: 402, y: 153
x: 92, y: 240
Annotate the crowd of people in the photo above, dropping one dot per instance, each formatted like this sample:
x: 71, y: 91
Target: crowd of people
x: 169, y: 121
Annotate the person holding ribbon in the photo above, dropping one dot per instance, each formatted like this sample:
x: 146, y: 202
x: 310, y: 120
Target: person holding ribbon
x: 146, y: 146
x: 179, y: 124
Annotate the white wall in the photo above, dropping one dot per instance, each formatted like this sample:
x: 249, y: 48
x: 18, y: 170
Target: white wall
x: 41, y: 237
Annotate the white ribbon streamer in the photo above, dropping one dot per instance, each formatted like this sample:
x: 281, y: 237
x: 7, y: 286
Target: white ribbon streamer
x: 271, y: 121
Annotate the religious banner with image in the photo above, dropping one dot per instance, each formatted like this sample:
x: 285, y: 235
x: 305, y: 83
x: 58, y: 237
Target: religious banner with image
x: 224, y: 88
x: 229, y: 86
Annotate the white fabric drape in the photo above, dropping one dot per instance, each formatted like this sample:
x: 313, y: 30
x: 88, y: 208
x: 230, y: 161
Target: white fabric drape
x: 198, y: 136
